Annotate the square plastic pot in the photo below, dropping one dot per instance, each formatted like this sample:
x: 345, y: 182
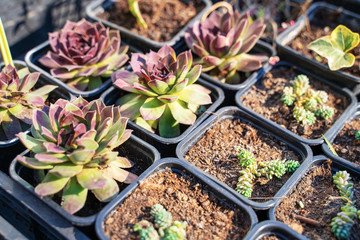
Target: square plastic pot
x: 325, y: 148
x: 313, y: 142
x: 25, y: 176
x: 166, y: 146
x: 222, y: 114
x: 32, y: 60
x: 33, y: 218
x: 231, y: 89
x: 183, y: 168
x: 317, y: 161
x: 10, y: 148
x: 289, y: 54
x: 273, y: 228
x: 137, y: 40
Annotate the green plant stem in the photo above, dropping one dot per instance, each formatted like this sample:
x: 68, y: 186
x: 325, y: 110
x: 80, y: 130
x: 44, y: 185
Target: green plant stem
x: 4, y: 46
x: 135, y: 11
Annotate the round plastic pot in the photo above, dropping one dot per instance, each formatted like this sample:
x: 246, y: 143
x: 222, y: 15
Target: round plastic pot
x: 32, y: 217
x: 317, y: 161
x: 222, y: 114
x: 180, y: 167
x: 137, y: 40
x: 325, y: 148
x: 166, y: 146
x: 231, y: 89
x: 10, y: 148
x: 313, y: 142
x: 273, y: 228
x: 32, y: 60
x: 23, y: 176
x: 287, y: 53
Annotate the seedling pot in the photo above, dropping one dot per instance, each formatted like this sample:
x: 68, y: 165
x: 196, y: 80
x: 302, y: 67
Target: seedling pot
x: 137, y: 40
x: 304, y: 151
x: 313, y: 142
x: 183, y: 168
x: 317, y: 161
x: 273, y: 228
x: 289, y: 54
x: 133, y: 147
x: 166, y: 146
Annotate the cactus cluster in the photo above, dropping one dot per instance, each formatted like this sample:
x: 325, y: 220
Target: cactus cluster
x: 343, y: 222
x: 165, y: 230
x: 254, y: 169
x: 308, y: 104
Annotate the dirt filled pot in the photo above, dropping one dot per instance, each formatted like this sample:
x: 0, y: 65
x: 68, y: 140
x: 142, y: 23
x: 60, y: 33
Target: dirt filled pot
x: 317, y: 191
x: 32, y: 60
x: 187, y: 195
x: 10, y: 148
x: 323, y: 19
x: 344, y: 142
x: 166, y: 20
x: 273, y: 230
x: 166, y: 146
x: 263, y: 99
x: 212, y: 149
x: 136, y: 150
x: 248, y: 78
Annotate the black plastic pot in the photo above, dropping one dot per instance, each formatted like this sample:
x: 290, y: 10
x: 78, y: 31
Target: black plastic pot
x: 183, y: 168
x: 325, y: 148
x: 10, y: 148
x: 344, y: 91
x: 166, y: 146
x: 137, y: 40
x: 33, y: 218
x: 9, y: 232
x: 32, y: 60
x: 317, y: 161
x: 132, y: 147
x: 273, y: 228
x: 230, y: 89
x: 277, y: 132
x: 287, y: 53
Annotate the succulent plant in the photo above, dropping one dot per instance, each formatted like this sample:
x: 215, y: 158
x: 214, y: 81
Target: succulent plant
x: 291, y: 166
x: 135, y: 11
x: 222, y: 42
x: 162, y: 218
x: 343, y: 222
x: 163, y: 94
x: 342, y: 182
x: 271, y: 168
x: 146, y: 230
x: 246, y: 158
x: 308, y: 104
x: 17, y: 101
x: 244, y: 185
x: 74, y: 142
x: 176, y: 231
x: 83, y: 52
x: 357, y: 135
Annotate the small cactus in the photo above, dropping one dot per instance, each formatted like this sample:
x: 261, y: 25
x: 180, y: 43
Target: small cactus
x: 146, y: 230
x: 342, y: 223
x: 244, y: 185
x: 288, y: 96
x: 324, y: 112
x: 291, y: 166
x: 271, y: 168
x: 341, y: 180
x: 357, y: 135
x: 162, y: 218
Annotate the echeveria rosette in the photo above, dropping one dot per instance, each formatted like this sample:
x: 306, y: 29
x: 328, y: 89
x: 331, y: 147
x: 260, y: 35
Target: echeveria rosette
x: 74, y: 143
x: 83, y: 52
x: 222, y: 42
x: 163, y: 94
x: 17, y: 101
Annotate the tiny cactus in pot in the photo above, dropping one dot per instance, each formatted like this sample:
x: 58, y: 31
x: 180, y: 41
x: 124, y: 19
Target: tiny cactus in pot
x: 162, y: 91
x: 83, y: 52
x: 74, y: 142
x: 222, y: 41
x: 17, y: 101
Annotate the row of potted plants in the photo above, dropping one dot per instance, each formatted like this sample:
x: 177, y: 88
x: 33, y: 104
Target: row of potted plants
x: 72, y: 141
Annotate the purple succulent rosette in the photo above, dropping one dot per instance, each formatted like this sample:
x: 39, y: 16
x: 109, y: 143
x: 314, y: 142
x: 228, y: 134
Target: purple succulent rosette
x: 17, y: 101
x: 83, y: 52
x: 222, y: 42
x: 163, y: 94
x: 74, y: 142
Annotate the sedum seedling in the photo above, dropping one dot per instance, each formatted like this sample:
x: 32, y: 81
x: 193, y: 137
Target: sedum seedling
x: 163, y: 94
x: 308, y: 104
x: 83, y: 52
x: 222, y: 41
x: 336, y: 47
x: 74, y: 142
x: 17, y: 101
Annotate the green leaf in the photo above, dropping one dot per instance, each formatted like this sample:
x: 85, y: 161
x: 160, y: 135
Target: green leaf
x: 141, y: 122
x: 50, y: 185
x: 195, y: 94
x: 168, y: 126
x: 33, y: 163
x: 81, y: 156
x: 335, y: 47
x: 130, y: 105
x: 74, y: 196
x: 108, y: 192
x: 31, y: 143
x: 66, y: 170
x: 181, y: 113
x: 91, y: 178
x: 152, y: 109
